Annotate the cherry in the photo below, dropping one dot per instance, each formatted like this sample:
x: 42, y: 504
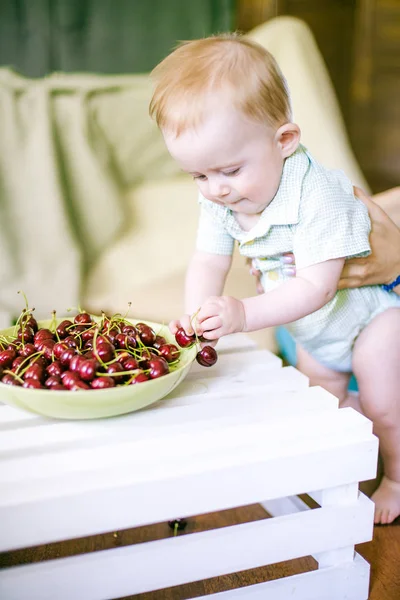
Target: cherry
x: 42, y: 334
x: 170, y: 352
x: 27, y: 350
x: 102, y: 382
x: 88, y: 368
x: 62, y: 329
x: 114, y: 369
x: 35, y: 372
x: 130, y: 364
x: 30, y: 322
x: 83, y: 318
x: 9, y: 379
x: 58, y: 386
x: 52, y: 381
x: 7, y: 357
x: 183, y: 339
x: 66, y: 357
x: 159, y: 341
x: 26, y: 334
x: 146, y: 334
x: 139, y: 378
x: 79, y: 385
x: 129, y: 330
x: 76, y: 362
x: 71, y: 341
x: 46, y: 347
x: 125, y: 341
x: 207, y: 356
x: 158, y: 367
x: 55, y: 369
x: 69, y: 378
x: 87, y: 335
x: 17, y: 362
x: 32, y: 383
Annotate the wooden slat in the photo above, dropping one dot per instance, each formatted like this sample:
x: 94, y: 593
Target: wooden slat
x: 48, y: 436
x: 349, y: 581
x: 60, y: 507
x: 175, y: 561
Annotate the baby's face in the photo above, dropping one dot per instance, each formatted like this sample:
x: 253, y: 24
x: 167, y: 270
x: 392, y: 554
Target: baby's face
x: 235, y: 162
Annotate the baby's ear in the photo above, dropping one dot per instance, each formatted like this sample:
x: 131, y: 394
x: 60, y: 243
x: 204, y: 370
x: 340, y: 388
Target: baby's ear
x: 288, y: 138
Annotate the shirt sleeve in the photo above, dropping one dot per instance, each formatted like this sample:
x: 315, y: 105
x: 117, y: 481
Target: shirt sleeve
x: 333, y: 223
x: 212, y: 236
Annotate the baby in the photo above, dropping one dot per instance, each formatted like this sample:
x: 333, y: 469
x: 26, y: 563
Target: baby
x: 224, y: 110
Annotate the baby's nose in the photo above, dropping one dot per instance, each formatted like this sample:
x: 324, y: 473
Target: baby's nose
x: 219, y: 189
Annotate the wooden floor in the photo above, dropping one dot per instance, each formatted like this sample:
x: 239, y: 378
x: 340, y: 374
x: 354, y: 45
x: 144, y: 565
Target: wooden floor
x: 382, y: 553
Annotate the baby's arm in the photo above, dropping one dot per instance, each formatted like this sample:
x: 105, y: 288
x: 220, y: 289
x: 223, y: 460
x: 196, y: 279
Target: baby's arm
x: 311, y: 289
x: 205, y: 277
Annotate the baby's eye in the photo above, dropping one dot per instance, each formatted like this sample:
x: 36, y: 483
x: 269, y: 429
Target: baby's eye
x: 234, y: 172
x: 200, y: 177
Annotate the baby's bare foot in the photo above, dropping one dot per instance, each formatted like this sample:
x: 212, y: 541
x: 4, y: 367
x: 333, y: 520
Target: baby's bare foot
x: 387, y: 501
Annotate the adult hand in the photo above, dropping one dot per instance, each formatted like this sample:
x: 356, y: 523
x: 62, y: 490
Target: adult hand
x: 383, y: 264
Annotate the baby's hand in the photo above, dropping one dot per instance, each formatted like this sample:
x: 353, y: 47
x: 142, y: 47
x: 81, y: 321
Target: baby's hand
x: 184, y: 322
x: 221, y: 315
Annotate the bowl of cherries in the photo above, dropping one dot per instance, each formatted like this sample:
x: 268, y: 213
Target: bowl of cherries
x: 88, y: 367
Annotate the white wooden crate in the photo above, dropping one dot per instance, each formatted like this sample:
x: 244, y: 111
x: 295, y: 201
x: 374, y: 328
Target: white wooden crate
x: 244, y: 432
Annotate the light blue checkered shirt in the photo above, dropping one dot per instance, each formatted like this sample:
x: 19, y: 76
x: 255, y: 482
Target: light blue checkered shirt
x: 315, y: 215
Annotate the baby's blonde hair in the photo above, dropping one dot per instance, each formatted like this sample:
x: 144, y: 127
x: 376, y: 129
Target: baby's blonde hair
x: 227, y: 63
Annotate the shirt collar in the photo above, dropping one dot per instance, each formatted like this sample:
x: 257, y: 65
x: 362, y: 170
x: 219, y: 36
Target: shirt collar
x: 284, y: 207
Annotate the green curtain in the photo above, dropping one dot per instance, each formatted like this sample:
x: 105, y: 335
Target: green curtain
x: 38, y: 37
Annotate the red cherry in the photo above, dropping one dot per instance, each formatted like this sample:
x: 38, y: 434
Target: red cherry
x: 26, y: 334
x: 30, y: 321
x: 27, y: 350
x: 32, y: 383
x: 46, y: 347
x: 35, y: 372
x: 170, y: 352
x: 17, y: 362
x: 54, y: 369
x: 102, y: 382
x: 52, y: 381
x: 63, y: 328
x: 88, y: 368
x: 43, y: 334
x: 159, y: 341
x: 76, y: 362
x: 207, y: 356
x: 66, y: 357
x: 183, y: 339
x: 130, y: 364
x: 7, y: 357
x: 146, y: 334
x: 69, y: 378
x: 125, y: 341
x: 83, y: 318
x: 79, y: 385
x: 158, y: 367
x: 139, y: 378
x: 9, y: 379
x: 114, y: 369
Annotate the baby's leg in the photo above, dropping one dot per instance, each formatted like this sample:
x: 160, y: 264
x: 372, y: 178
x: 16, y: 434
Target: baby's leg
x: 376, y: 364
x: 333, y: 381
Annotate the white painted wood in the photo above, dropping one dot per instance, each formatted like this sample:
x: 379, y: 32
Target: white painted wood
x: 49, y: 436
x: 237, y: 362
x: 193, y: 440
x: 345, y: 582
x: 57, y: 508
x: 236, y: 342
x: 244, y: 431
x: 196, y: 389
x: 131, y: 570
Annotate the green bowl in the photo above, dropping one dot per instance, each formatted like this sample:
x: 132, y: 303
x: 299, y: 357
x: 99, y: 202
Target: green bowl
x: 97, y: 404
